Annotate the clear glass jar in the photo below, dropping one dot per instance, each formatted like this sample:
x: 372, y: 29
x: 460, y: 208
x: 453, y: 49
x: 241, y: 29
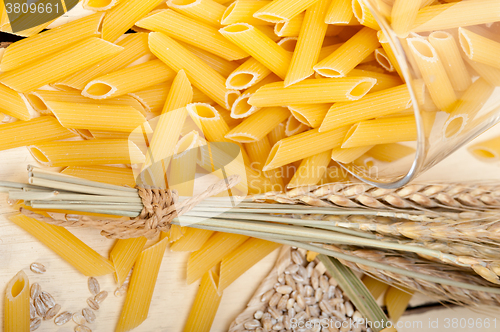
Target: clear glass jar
x: 448, y: 54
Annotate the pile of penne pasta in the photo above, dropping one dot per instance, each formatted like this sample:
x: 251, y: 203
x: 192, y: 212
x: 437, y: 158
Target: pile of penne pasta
x: 298, y: 85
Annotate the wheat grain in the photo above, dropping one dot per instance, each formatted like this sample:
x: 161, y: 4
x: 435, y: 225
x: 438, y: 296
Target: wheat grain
x: 78, y: 318
x: 32, y: 311
x: 47, y: 299
x: 82, y: 328
x: 99, y: 298
x: 35, y: 323
x: 52, y: 312
x: 89, y: 315
x: 38, y: 268
x: 93, y: 285
x: 41, y: 310
x: 35, y: 290
x: 92, y: 303
x: 63, y: 318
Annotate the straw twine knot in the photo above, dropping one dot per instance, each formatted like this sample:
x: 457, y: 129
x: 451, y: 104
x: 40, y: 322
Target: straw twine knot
x: 160, y: 207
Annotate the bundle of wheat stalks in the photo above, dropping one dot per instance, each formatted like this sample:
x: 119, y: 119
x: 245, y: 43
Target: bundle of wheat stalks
x: 438, y: 239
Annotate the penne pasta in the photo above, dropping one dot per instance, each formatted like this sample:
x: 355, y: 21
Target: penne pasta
x: 242, y: 259
x: 192, y: 32
x: 259, y: 46
x: 176, y: 232
x: 389, y: 52
x: 349, y: 55
x: 205, y: 11
x: 123, y: 16
x: 124, y: 255
x: 403, y: 15
x: 226, y: 115
x: 294, y: 126
x: 193, y: 240
x: 373, y: 105
x: 183, y: 170
x: 142, y: 285
x: 311, y: 170
x: 247, y: 74
x: 390, y: 152
x: 135, y: 46
x: 153, y: 98
x: 456, y: 14
x: 488, y: 150
x: 349, y: 155
x: 447, y: 50
x: 258, y: 125
x: 14, y: 104
x: 383, y: 60
x: 213, y: 125
x: 97, y: 117
x: 363, y: 14
x: 220, y: 65
x: 433, y: 73
x: 277, y: 134
x: 258, y: 152
x: 311, y: 115
x: 86, y: 153
x: 241, y: 11
x: 290, y: 28
x: 213, y: 251
x: 48, y: 70
x: 66, y: 245
x: 381, y: 131
x: 120, y: 176
x: 205, y: 304
x: 384, y: 81
x: 339, y: 12
x: 43, y: 44
x: 490, y: 74
x: 23, y: 133
x: 374, y: 286
x: 17, y: 304
x: 479, y: 48
x: 282, y: 10
x: 98, y: 5
x: 199, y: 73
x: 304, y: 145
x: 241, y: 108
x: 318, y: 91
x: 308, y: 47
x: 128, y: 80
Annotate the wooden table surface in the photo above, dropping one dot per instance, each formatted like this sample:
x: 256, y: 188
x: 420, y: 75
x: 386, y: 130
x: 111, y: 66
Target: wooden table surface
x: 172, y: 297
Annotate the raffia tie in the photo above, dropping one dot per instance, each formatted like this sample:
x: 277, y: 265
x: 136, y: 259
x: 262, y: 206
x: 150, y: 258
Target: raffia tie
x: 161, y: 206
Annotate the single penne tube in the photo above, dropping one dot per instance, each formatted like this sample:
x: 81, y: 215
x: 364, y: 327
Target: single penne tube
x: 488, y: 150
x: 247, y: 74
x: 363, y: 14
x: 135, y: 46
x: 258, y: 125
x: 288, y: 43
x: 381, y: 131
x: 213, y: 125
x: 98, y: 5
x: 206, y: 11
x: 97, y: 117
x: 304, y: 145
x: 390, y: 152
x: 38, y: 130
x: 86, y: 153
x: 38, y: 46
x: 220, y: 65
x: 241, y: 11
x: 66, y: 245
x: 199, y: 73
x: 311, y: 115
x: 290, y: 28
x: 213, y: 251
x: 389, y: 52
x: 153, y: 98
x: 128, y: 80
x: 348, y: 155
x: 383, y: 60
x: 317, y: 91
x: 258, y: 152
x: 242, y: 259
x: 339, y: 12
x: 141, y: 287
x: 277, y: 134
x: 373, y: 105
x: 282, y: 10
x: 447, y: 50
x: 120, y: 176
x: 14, y: 104
x: 456, y: 14
x: 349, y: 55
x: 311, y: 170
x: 403, y: 15
x: 384, y: 81
x: 191, y: 31
x: 205, y: 306
x: 490, y: 74
x: 124, y: 254
x: 193, y: 240
x: 48, y: 70
x: 17, y: 304
x: 309, y: 43
x: 479, y: 48
x: 432, y: 69
x: 258, y: 45
x: 294, y: 126
x: 183, y: 169
x: 123, y: 16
